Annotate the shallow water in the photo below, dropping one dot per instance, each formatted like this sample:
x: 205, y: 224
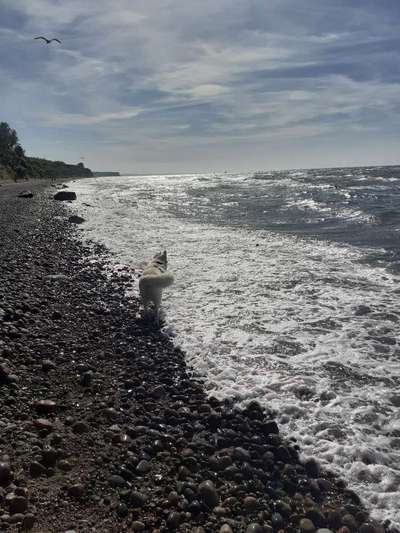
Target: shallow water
x: 287, y: 291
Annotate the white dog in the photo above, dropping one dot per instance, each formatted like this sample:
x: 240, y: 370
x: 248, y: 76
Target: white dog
x: 153, y: 280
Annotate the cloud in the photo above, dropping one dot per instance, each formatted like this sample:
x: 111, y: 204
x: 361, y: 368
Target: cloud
x: 67, y: 119
x: 194, y: 73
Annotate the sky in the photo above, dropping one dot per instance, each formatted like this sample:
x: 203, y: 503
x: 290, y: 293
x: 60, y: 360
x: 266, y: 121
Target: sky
x: 170, y: 86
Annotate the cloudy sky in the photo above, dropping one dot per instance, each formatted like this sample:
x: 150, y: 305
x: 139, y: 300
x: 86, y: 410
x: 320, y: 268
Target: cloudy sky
x: 200, y: 85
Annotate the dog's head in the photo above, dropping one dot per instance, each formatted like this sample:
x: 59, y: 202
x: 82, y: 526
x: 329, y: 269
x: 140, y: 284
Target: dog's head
x: 161, y: 258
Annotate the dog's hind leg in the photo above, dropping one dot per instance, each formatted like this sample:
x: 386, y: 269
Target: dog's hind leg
x: 157, y: 304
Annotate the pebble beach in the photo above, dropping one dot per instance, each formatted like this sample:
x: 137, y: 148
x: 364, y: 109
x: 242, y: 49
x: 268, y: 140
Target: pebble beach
x: 103, y: 427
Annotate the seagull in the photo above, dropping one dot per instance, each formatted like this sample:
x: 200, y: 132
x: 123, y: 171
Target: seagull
x: 48, y: 41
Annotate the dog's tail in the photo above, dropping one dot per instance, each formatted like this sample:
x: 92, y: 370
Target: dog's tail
x: 156, y: 280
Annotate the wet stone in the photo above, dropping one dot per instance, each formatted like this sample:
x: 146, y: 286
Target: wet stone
x: 116, y: 481
x: 76, y: 491
x: 208, y: 493
x: 143, y: 467
x: 18, y: 504
x: 28, y: 522
x: 306, y: 525
x: 254, y: 528
x: 45, y: 406
x: 137, y: 499
x: 36, y: 469
x: 6, y: 475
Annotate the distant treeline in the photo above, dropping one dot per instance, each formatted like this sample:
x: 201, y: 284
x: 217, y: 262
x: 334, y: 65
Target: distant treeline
x: 15, y: 164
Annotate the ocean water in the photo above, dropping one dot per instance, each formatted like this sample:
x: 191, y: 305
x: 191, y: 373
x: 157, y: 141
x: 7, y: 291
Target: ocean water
x: 287, y: 291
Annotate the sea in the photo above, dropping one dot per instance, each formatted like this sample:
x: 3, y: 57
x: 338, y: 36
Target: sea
x: 287, y: 291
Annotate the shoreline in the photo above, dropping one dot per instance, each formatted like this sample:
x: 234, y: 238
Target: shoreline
x: 99, y: 415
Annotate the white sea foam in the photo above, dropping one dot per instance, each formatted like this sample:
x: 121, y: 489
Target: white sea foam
x: 274, y: 318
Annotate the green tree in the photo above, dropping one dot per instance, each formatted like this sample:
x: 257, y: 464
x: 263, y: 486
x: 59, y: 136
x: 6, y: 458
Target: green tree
x: 8, y: 138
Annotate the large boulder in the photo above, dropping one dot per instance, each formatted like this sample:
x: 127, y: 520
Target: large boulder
x: 25, y: 194
x: 65, y: 195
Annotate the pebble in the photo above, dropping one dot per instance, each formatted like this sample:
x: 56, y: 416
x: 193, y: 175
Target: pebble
x: 43, y: 424
x: 306, y: 525
x: 49, y: 457
x: 36, y: 469
x: 116, y: 481
x: 173, y: 520
x: 28, y: 522
x: 76, y: 491
x: 17, y: 518
x: 137, y: 526
x: 349, y: 521
x: 250, y: 504
x: 277, y: 521
x: 48, y: 365
x: 137, y: 499
x: 254, y: 528
x: 6, y: 475
x: 45, y: 406
x: 208, y: 493
x: 17, y: 504
x: 80, y: 427
x: 143, y: 467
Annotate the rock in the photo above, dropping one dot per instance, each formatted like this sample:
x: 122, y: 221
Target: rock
x: 6, y: 475
x: 306, y: 525
x: 116, y: 481
x: 173, y: 520
x: 5, y: 374
x: 36, y: 469
x: 28, y: 522
x: 64, y: 465
x: 76, y: 491
x: 277, y: 521
x: 270, y: 427
x: 137, y: 526
x: 25, y: 194
x: 86, y: 378
x: 312, y: 468
x: 43, y: 424
x: 45, y: 406
x: 80, y: 427
x: 220, y: 511
x: 137, y: 499
x: 75, y: 219
x: 143, y: 467
x: 349, y: 521
x: 49, y: 457
x: 324, y: 530
x: 241, y: 455
x: 225, y: 528
x: 158, y: 392
x: 208, y: 493
x: 17, y: 504
x: 254, y: 528
x: 282, y: 454
x: 283, y: 508
x: 17, y: 518
x: 250, y: 504
x: 122, y: 510
x: 65, y: 196
x: 47, y: 365
x: 367, y: 528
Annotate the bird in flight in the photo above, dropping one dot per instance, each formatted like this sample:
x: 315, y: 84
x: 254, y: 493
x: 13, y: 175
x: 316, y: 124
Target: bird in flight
x: 48, y: 41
